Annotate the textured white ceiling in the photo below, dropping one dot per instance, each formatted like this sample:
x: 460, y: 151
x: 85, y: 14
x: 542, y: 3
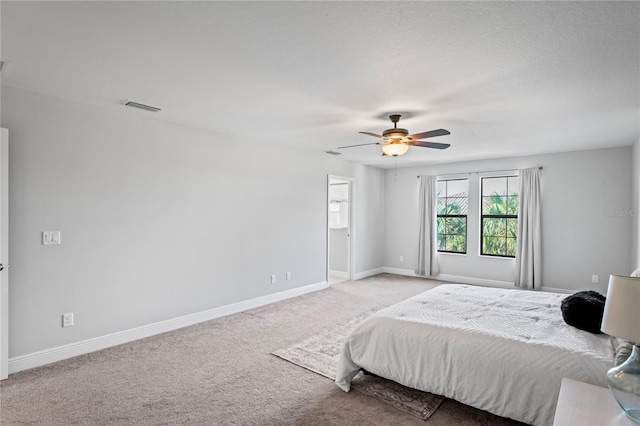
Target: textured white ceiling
x: 505, y: 78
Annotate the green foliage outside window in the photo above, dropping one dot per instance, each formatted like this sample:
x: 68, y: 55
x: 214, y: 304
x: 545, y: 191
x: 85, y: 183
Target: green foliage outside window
x: 452, y: 199
x: 499, y: 216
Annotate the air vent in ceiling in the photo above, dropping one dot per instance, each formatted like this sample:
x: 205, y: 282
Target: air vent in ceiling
x: 333, y: 152
x: 142, y: 106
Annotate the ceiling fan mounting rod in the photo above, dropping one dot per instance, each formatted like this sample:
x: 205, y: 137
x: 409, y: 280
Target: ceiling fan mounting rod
x: 395, y: 133
x: 394, y: 119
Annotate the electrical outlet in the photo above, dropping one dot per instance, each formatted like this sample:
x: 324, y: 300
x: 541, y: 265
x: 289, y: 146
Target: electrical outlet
x: 595, y: 279
x: 50, y: 237
x: 288, y: 276
x: 401, y: 259
x: 273, y: 279
x: 67, y: 320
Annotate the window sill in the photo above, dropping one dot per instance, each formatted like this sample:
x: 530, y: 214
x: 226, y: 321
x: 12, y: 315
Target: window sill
x: 484, y: 256
x: 448, y: 253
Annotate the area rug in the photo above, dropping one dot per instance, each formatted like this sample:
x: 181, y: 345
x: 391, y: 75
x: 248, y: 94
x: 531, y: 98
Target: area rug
x: 320, y: 353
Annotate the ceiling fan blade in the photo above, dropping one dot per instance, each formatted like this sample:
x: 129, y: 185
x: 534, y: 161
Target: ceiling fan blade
x: 429, y: 134
x: 431, y: 145
x: 362, y: 144
x: 371, y: 134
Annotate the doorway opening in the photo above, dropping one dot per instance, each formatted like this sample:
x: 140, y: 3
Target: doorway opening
x: 339, y: 229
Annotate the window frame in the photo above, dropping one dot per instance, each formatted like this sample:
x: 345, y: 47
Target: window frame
x: 446, y: 216
x: 500, y: 216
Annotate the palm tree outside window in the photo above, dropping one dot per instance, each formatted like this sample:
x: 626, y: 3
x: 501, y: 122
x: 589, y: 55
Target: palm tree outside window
x: 452, y: 204
x: 499, y: 216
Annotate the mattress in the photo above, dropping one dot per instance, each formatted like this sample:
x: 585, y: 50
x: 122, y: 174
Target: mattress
x: 503, y: 351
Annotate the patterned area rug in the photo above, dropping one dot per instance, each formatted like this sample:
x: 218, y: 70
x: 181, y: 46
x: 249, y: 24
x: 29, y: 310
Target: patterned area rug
x: 320, y: 353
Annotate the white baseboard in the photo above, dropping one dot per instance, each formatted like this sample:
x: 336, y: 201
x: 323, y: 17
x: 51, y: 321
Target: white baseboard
x: 452, y: 278
x: 557, y: 290
x: 365, y: 274
x: 47, y: 356
x: 398, y: 271
x: 470, y: 280
x: 339, y: 274
x: 475, y: 281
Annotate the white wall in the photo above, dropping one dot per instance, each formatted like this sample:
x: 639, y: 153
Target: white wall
x: 584, y: 233
x: 159, y: 220
x: 368, y: 234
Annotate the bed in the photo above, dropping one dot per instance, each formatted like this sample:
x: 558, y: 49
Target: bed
x: 502, y: 351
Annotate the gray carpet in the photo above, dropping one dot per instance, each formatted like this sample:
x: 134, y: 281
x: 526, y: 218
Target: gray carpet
x: 221, y: 372
x: 320, y: 353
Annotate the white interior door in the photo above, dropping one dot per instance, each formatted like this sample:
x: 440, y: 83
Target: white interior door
x: 4, y: 253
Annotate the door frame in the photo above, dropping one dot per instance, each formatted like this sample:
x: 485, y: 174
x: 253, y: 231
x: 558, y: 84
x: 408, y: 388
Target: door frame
x: 350, y: 230
x: 4, y: 253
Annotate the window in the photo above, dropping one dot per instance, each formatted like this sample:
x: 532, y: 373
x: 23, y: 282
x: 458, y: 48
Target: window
x: 499, y: 216
x: 334, y: 214
x: 452, y: 200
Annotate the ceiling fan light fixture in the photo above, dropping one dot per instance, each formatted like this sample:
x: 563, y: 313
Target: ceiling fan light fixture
x: 395, y: 149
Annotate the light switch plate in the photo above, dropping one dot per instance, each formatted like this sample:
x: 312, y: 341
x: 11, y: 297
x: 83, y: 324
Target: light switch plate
x: 67, y: 320
x: 50, y: 237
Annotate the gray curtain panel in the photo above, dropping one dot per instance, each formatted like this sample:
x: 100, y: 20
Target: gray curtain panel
x: 428, y: 239
x: 529, y: 243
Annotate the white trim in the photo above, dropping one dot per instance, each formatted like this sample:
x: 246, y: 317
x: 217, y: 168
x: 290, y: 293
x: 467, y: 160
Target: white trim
x: 452, y: 278
x: 47, y: 356
x: 365, y: 274
x: 4, y: 253
x: 398, y: 271
x: 351, y: 229
x: 475, y: 281
x: 488, y: 256
x: 339, y: 274
x: 469, y: 280
x: 557, y: 290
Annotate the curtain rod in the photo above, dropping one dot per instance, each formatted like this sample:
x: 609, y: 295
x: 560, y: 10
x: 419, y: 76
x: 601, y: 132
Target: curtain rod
x: 485, y: 171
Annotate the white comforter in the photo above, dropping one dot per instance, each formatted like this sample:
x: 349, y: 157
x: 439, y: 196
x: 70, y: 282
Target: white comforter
x: 503, y: 351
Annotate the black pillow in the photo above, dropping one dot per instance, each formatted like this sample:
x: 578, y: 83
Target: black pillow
x: 583, y: 310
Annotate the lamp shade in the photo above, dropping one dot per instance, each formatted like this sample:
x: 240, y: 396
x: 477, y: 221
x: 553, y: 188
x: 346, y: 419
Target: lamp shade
x: 395, y: 148
x: 622, y: 309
